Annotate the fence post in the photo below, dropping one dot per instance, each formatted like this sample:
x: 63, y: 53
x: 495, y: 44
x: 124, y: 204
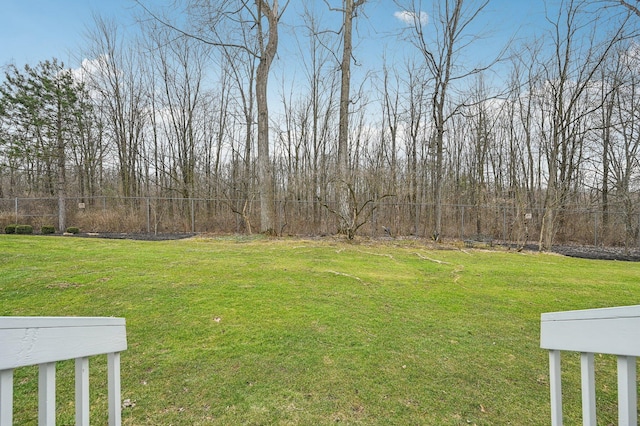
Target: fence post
x: 17, y: 210
x: 595, y: 229
x: 148, y: 215
x: 504, y: 224
x: 462, y: 223
x: 193, y: 215
x: 373, y: 223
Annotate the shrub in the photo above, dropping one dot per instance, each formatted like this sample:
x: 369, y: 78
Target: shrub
x: 73, y: 230
x: 24, y: 229
x: 10, y: 229
x: 48, y: 229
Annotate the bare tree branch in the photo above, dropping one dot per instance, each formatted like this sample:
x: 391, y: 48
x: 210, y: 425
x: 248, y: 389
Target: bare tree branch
x: 194, y: 36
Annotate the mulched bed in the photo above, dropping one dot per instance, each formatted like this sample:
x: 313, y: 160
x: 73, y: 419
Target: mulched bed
x: 600, y: 253
x: 590, y: 252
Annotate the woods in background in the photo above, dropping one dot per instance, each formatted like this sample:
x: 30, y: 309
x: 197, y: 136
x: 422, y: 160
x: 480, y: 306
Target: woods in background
x: 190, y: 108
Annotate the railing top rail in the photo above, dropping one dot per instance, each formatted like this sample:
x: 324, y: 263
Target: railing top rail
x: 35, y: 340
x: 613, y: 331
x: 589, y: 314
x: 51, y: 322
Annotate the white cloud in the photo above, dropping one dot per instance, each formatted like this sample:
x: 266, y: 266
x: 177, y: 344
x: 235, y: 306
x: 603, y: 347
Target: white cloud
x: 631, y: 57
x: 412, y: 18
x: 88, y: 68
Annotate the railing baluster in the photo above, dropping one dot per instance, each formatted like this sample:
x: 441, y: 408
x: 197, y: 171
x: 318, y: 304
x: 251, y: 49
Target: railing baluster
x: 113, y: 361
x: 627, y: 391
x: 6, y: 397
x: 555, y: 384
x: 613, y: 331
x: 82, y: 391
x: 588, y: 389
x: 47, y: 394
x: 43, y: 341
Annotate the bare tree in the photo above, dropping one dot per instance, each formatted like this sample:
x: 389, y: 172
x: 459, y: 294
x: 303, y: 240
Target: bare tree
x: 230, y: 24
x: 391, y: 123
x: 386, y: 166
x: 116, y: 77
x: 610, y: 82
x: 525, y: 81
x: 630, y: 5
x: 309, y: 115
x: 268, y: 45
x: 241, y: 67
x: 180, y: 68
x: 568, y: 78
x: 481, y: 121
x: 415, y: 137
x: 624, y: 143
x: 217, y: 124
x: 343, y: 187
x: 87, y: 148
x: 441, y: 51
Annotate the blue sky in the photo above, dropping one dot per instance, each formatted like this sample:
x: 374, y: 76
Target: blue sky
x: 36, y: 30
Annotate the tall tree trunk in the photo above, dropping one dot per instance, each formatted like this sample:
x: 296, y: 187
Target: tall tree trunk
x: 343, y: 184
x: 343, y: 126
x: 265, y: 173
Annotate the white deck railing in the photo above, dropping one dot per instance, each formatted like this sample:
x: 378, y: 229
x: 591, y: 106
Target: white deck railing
x: 43, y: 341
x: 614, y: 331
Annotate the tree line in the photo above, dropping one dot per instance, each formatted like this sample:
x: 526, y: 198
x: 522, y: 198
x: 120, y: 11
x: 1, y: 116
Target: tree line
x: 186, y: 107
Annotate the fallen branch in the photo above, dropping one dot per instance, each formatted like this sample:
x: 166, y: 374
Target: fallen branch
x: 377, y: 254
x: 440, y: 262
x: 345, y: 275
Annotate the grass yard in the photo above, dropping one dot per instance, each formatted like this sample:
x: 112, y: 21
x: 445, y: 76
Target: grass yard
x: 298, y: 332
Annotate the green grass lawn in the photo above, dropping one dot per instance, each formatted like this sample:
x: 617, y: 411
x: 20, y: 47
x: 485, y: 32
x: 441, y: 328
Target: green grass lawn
x: 294, y: 332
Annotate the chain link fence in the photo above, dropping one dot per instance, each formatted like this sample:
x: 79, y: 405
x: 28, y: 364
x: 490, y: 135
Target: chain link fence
x: 150, y: 215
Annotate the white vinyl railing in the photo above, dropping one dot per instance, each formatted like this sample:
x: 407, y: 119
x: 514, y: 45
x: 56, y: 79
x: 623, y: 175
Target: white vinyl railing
x: 614, y: 331
x: 43, y: 341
